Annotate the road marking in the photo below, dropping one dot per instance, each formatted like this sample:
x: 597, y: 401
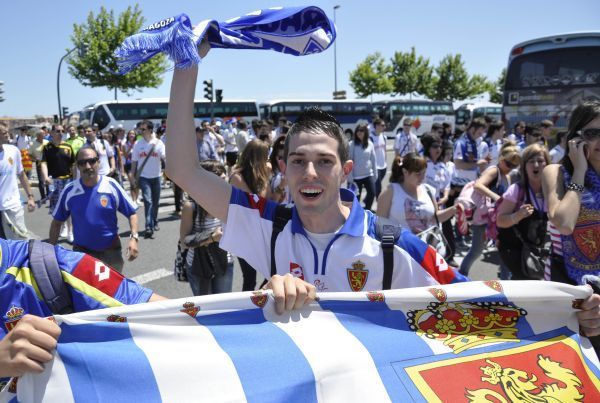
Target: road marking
x: 152, y: 275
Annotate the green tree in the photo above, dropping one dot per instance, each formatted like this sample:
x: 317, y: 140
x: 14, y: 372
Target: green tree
x: 452, y: 81
x: 410, y: 73
x: 370, y: 77
x: 100, y: 35
x: 497, y: 88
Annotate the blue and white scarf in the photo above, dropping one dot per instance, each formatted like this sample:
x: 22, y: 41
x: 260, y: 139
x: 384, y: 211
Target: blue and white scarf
x: 293, y: 30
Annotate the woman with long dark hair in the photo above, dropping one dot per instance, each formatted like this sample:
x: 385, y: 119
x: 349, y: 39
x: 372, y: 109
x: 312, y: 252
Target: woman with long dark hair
x: 252, y: 174
x: 408, y: 200
x: 207, y: 267
x: 573, y: 192
x: 364, y: 169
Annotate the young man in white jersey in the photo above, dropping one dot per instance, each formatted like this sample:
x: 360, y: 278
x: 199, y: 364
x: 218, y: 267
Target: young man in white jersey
x: 328, y: 240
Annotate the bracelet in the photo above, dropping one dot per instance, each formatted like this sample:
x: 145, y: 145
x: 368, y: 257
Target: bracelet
x: 575, y: 187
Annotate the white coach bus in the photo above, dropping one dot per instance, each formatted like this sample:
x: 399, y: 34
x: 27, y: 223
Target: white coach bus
x: 129, y: 112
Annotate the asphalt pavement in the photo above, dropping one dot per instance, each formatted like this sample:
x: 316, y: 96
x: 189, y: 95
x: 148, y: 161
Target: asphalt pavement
x: 154, y: 266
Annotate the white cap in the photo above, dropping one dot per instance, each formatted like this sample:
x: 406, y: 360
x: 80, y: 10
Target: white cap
x: 218, y: 123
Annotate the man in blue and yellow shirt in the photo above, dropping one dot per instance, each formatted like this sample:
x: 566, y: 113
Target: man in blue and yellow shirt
x: 26, y: 338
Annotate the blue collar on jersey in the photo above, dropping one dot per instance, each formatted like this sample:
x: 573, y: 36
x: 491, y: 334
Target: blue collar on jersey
x: 354, y: 225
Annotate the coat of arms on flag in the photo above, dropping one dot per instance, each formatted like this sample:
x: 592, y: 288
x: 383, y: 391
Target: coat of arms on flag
x: 500, y: 342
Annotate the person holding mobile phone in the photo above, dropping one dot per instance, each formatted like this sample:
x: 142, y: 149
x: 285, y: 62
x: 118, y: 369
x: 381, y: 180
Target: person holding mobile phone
x: 572, y: 190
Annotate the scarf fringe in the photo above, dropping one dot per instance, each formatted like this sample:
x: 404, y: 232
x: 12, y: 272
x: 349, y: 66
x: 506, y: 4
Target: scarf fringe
x: 176, y: 40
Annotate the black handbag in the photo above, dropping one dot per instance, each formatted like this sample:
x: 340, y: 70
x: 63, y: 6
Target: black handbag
x: 209, y: 260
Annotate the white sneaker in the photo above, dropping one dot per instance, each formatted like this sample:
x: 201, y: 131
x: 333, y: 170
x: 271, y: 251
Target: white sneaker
x: 64, y: 231
x: 70, y: 237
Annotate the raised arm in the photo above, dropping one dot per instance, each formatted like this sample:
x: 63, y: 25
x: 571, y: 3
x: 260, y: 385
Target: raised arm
x: 182, y: 164
x: 563, y: 207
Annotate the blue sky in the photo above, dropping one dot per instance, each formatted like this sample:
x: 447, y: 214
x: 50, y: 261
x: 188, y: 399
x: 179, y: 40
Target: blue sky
x: 35, y: 34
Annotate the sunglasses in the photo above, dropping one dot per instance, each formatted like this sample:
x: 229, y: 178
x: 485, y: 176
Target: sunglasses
x: 86, y: 161
x: 510, y: 165
x: 590, y: 134
x: 59, y: 131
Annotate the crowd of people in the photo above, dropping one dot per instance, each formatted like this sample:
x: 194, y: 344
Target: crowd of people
x: 287, y: 202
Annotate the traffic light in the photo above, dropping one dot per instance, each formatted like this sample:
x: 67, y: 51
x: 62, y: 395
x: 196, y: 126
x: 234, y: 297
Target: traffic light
x: 65, y: 111
x: 208, y: 90
x: 219, y: 95
x: 1, y: 91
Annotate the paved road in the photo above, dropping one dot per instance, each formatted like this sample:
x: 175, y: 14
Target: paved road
x: 154, y: 266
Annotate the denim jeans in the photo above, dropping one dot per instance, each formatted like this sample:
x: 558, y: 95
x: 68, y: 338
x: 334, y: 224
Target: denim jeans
x: 150, y: 188
x: 380, y: 176
x: 477, y: 245
x: 220, y: 283
x: 369, y: 184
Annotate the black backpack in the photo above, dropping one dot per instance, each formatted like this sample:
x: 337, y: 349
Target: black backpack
x: 386, y: 231
x: 47, y: 274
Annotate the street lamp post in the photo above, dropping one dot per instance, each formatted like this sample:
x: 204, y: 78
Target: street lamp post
x: 335, y: 53
x: 82, y: 51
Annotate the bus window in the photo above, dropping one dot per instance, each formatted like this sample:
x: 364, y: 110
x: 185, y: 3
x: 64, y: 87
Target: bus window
x: 556, y: 68
x: 101, y: 118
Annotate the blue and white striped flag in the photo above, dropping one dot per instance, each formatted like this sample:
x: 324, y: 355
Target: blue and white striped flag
x: 293, y: 30
x: 461, y: 342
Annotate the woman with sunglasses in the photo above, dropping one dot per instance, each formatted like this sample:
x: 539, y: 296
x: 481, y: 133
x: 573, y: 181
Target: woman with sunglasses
x: 572, y: 189
x: 364, y: 170
x: 492, y: 183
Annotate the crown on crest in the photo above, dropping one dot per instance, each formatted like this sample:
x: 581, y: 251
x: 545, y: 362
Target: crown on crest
x: 358, y: 265
x: 465, y: 325
x: 14, y: 312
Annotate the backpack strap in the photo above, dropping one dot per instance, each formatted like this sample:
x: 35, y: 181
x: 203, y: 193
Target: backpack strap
x: 45, y: 270
x: 388, y: 232
x: 283, y: 214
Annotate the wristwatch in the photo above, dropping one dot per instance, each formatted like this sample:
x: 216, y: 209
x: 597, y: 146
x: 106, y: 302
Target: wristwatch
x: 134, y: 236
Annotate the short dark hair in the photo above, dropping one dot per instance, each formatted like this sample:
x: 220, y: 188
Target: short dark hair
x: 242, y: 125
x: 148, y: 124
x: 429, y: 140
x: 315, y: 121
x: 477, y: 123
x: 85, y: 147
x: 436, y: 126
x: 494, y: 127
x: 377, y: 121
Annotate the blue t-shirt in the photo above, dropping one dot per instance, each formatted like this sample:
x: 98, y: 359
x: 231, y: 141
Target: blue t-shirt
x: 94, y: 211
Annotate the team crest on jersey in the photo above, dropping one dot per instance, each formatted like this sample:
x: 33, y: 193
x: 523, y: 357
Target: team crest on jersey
x: 438, y: 293
x: 190, y: 309
x: 259, y: 298
x: 12, y: 387
x: 296, y: 270
x: 376, y: 296
x: 11, y: 161
x: 357, y: 276
x: 13, y: 316
x: 494, y: 285
x: 116, y: 318
x: 103, y: 200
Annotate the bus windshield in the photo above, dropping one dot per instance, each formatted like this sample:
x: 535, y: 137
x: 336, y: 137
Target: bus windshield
x: 555, y: 68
